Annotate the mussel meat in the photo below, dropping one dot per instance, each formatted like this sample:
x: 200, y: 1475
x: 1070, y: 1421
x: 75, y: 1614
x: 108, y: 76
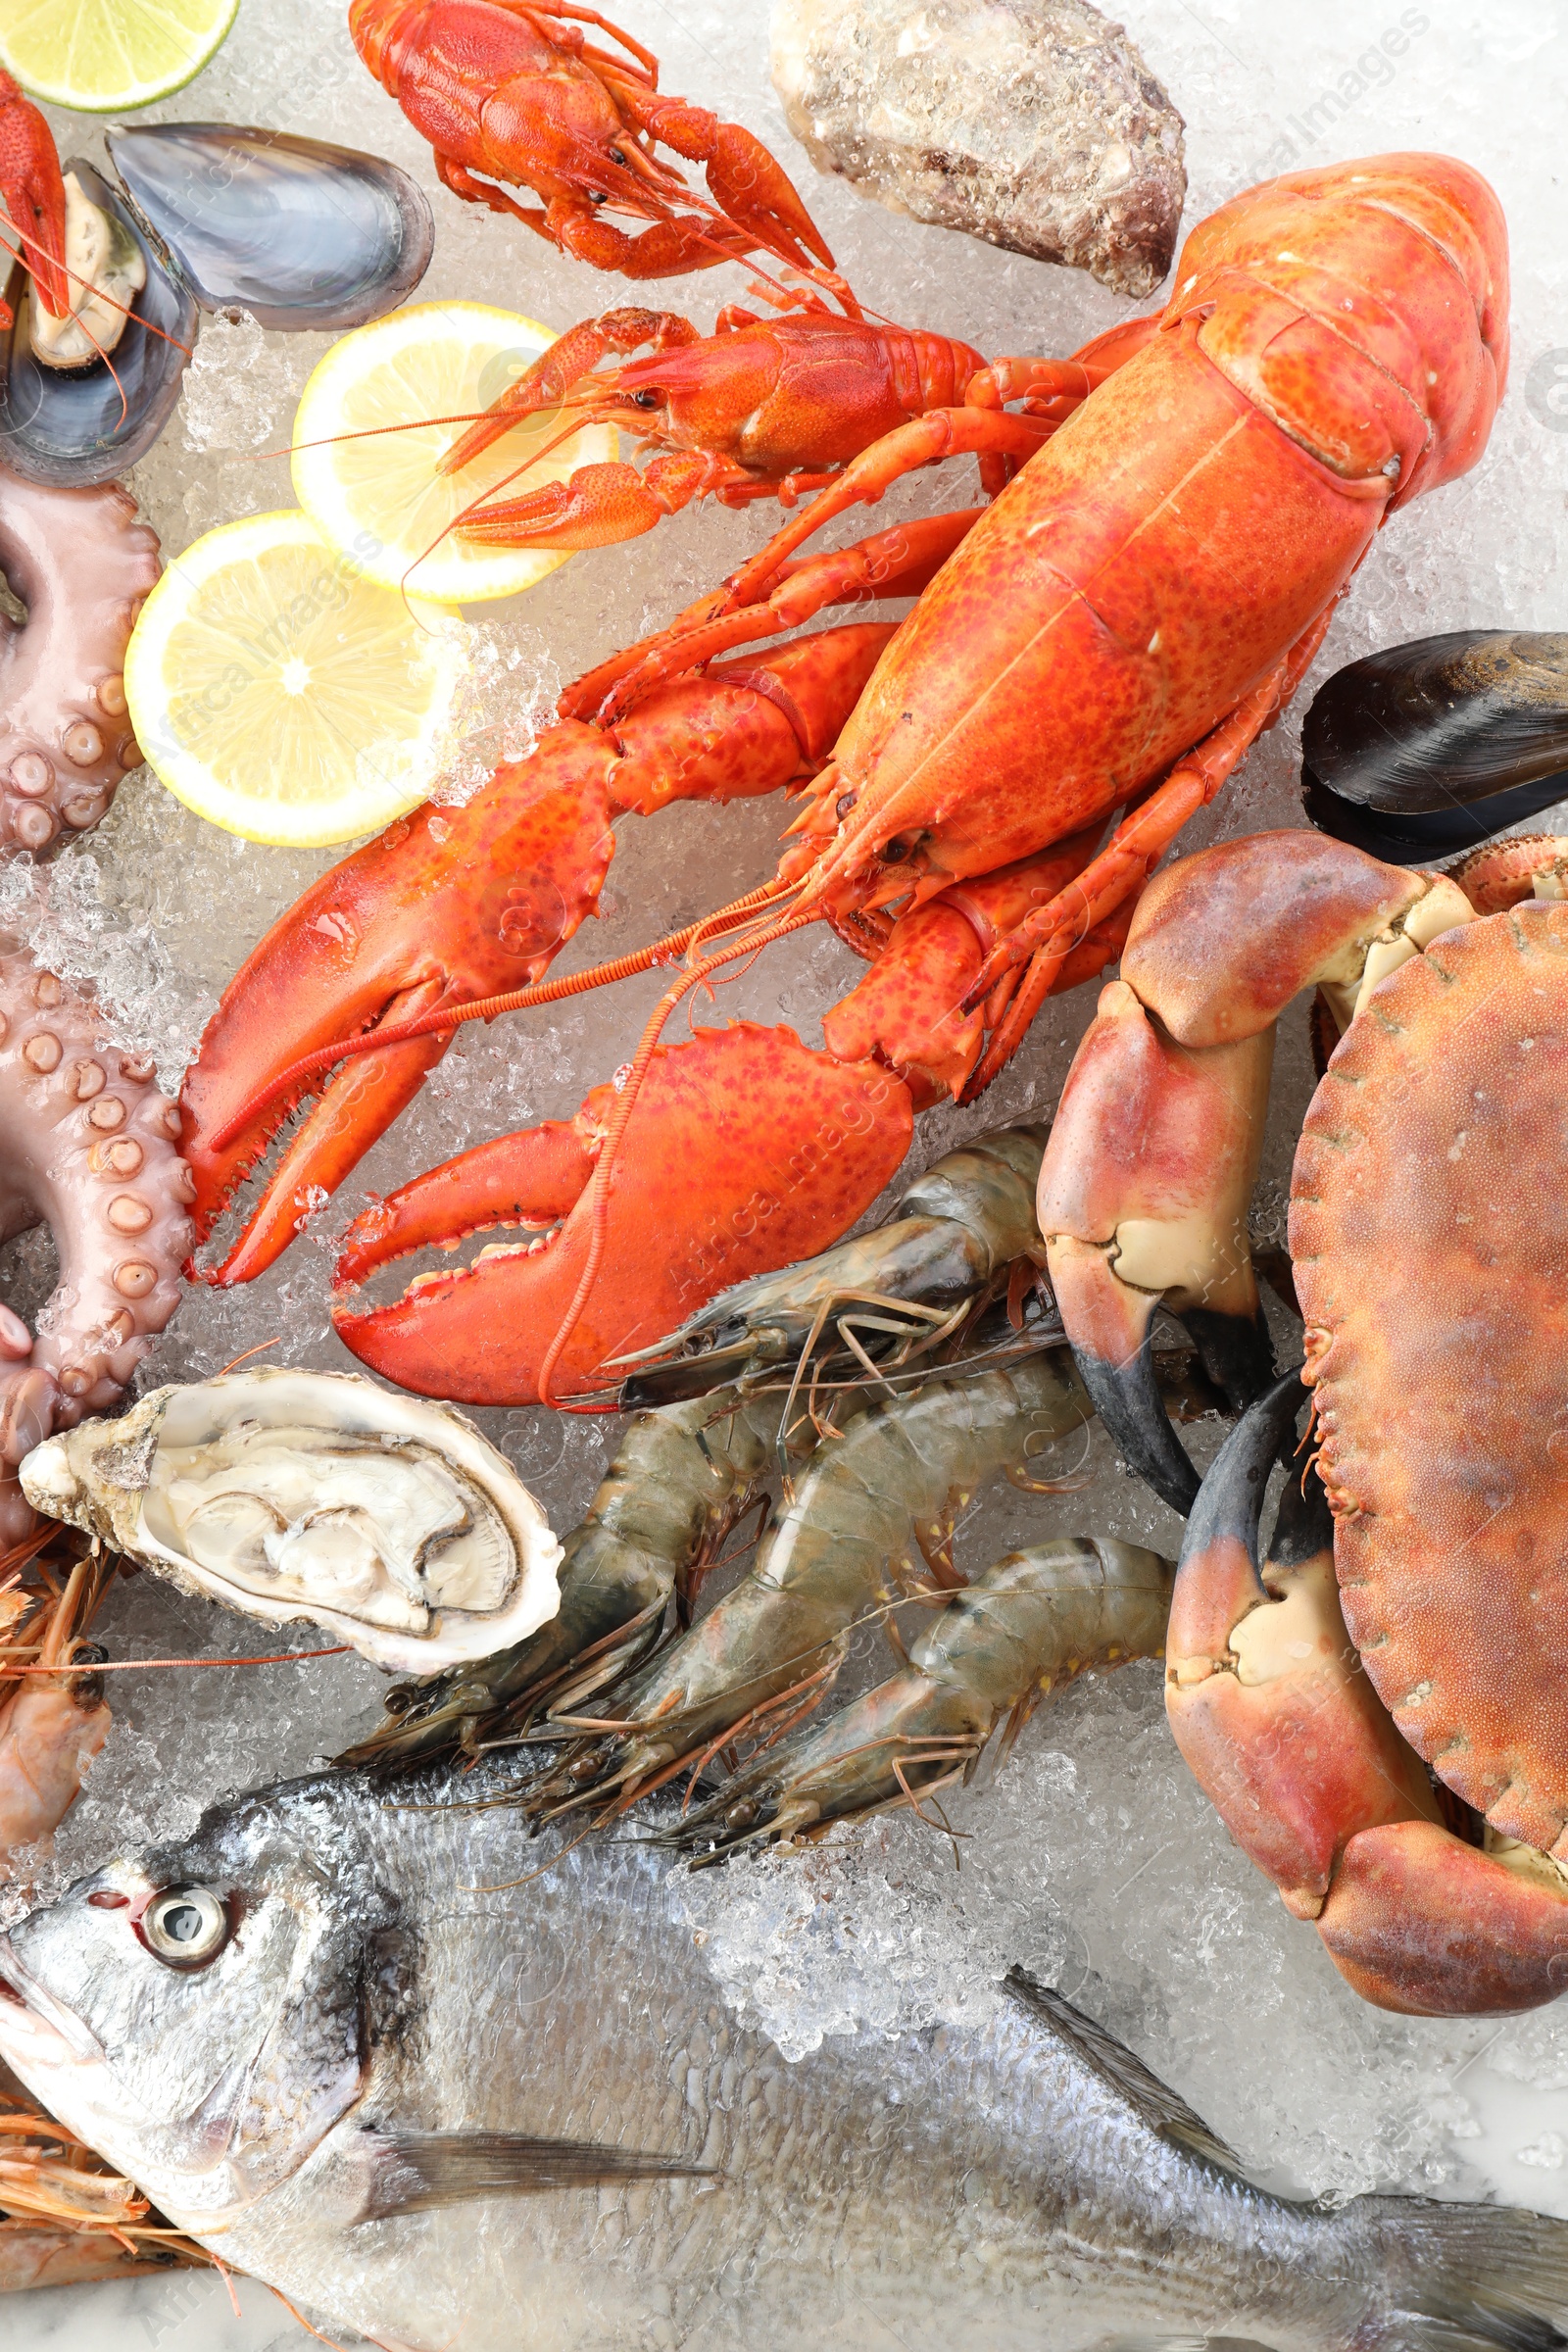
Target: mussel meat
x: 1431, y: 748
x: 107, y: 268
x: 297, y: 231
x: 71, y: 427
x: 385, y: 1519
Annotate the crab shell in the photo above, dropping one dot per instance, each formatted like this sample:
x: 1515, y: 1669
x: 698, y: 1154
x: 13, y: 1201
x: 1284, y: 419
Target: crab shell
x: 116, y: 1480
x: 1429, y: 1230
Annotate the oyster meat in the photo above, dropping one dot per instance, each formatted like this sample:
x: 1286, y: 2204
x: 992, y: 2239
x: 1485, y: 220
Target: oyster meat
x: 384, y: 1519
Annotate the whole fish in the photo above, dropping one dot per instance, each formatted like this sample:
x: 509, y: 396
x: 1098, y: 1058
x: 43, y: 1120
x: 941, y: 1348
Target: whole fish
x: 361, y: 2045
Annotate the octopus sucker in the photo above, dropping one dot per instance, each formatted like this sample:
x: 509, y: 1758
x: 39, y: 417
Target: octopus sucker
x: 91, y: 1148
x: 82, y: 566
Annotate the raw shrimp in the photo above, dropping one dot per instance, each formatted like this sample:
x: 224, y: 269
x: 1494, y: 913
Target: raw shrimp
x: 871, y: 1501
x: 65, y: 2216
x: 683, y: 1477
x: 52, y: 1723
x: 1028, y: 1625
x: 890, y: 1294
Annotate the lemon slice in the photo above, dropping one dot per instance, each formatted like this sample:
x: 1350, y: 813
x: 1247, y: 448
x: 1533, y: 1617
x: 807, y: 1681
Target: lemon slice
x: 101, y: 55
x: 281, y: 694
x: 381, y: 500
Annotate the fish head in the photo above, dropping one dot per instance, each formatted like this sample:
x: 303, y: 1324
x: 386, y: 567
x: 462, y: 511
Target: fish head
x: 197, y: 2012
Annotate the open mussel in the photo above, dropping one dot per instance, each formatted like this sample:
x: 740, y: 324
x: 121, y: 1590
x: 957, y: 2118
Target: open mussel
x: 296, y: 232
x: 70, y: 428
x: 1428, y: 749
x: 211, y: 216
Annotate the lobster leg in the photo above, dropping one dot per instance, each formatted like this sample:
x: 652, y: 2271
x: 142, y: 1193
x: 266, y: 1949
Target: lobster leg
x: 897, y: 562
x: 750, y: 188
x: 1051, y: 932
x: 906, y: 1011
x: 1274, y: 1714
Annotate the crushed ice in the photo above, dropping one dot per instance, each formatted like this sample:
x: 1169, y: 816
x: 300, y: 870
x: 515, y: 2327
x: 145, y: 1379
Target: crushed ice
x: 1093, y: 1860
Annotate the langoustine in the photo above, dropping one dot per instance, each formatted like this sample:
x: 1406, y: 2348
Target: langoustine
x: 53, y: 1716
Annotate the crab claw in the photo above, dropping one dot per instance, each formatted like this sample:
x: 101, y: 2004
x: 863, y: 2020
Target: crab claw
x: 1142, y: 1196
x: 745, y: 1151
x: 1266, y: 1696
x: 35, y: 195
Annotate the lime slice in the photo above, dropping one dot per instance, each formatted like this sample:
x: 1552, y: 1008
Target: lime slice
x: 281, y: 694
x: 381, y: 500
x: 100, y: 55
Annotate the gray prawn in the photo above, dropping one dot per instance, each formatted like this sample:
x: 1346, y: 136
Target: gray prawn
x: 682, y: 1478
x: 1023, y: 1629
x: 873, y: 1500
x: 890, y: 1297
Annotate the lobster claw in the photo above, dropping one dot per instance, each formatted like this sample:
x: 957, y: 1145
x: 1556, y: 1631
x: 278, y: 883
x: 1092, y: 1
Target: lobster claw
x: 446, y: 905
x: 745, y: 1151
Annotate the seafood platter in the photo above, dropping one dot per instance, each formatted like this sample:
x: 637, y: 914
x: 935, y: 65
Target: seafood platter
x: 783, y: 1276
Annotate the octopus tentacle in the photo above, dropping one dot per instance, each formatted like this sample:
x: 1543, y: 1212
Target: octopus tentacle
x: 81, y: 564
x: 89, y: 1145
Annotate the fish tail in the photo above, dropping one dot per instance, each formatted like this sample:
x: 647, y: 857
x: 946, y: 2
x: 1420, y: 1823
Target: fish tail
x: 1456, y: 2277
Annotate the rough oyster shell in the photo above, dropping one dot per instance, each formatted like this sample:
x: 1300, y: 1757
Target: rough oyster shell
x: 386, y: 1520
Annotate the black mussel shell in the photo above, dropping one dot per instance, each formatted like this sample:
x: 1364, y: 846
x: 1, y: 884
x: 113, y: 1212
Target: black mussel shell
x: 1428, y: 749
x: 299, y: 233
x: 73, y: 428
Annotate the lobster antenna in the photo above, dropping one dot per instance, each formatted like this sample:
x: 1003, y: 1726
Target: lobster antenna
x: 365, y: 432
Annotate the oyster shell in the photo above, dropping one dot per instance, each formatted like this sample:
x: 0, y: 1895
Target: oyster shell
x: 386, y: 1520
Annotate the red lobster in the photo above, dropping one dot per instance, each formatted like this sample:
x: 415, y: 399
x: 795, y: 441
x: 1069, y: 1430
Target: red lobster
x: 1114, y: 633
x: 519, y: 93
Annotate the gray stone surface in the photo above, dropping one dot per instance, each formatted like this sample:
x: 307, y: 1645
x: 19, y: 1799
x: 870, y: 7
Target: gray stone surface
x: 1033, y: 124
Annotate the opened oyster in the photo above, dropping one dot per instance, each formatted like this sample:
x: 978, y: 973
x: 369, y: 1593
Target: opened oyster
x: 386, y: 1520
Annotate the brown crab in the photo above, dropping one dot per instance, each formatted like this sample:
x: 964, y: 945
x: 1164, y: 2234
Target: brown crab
x: 1400, y: 1769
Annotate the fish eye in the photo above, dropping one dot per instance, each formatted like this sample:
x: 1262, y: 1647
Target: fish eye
x: 186, y: 1926
x: 646, y: 399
